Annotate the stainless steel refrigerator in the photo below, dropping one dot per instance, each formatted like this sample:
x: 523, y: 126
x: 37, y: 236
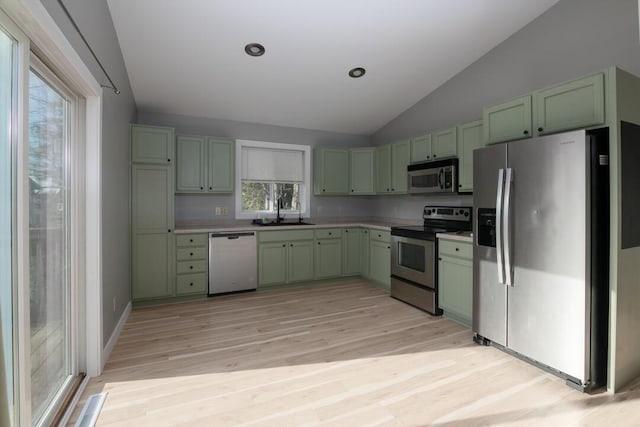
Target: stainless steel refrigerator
x: 540, y: 257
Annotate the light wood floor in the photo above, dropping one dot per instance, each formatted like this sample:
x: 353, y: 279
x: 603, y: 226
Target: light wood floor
x: 343, y: 354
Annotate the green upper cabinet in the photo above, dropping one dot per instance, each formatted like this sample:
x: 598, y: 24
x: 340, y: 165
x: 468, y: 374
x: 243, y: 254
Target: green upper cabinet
x: 220, y: 171
x: 152, y: 144
x: 362, y: 167
x: 470, y: 137
x: 331, y: 171
x: 400, y: 158
x: 383, y: 169
x: 152, y: 206
x: 508, y: 121
x: 204, y: 165
x: 571, y: 105
x: 190, y: 164
x: 351, y: 250
x: 443, y: 144
x: 421, y: 148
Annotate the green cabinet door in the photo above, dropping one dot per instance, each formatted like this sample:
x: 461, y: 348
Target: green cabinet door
x: 421, y: 148
x: 383, y: 169
x: 572, y: 105
x: 152, y: 274
x: 364, y: 252
x: 508, y: 121
x: 380, y: 265
x: 300, y: 257
x: 443, y: 144
x: 362, y: 167
x: 455, y: 285
x: 152, y: 144
x: 328, y: 258
x: 351, y: 251
x: 221, y: 167
x: 272, y: 263
x: 331, y: 171
x: 152, y: 198
x: 400, y: 157
x: 190, y: 164
x: 470, y: 137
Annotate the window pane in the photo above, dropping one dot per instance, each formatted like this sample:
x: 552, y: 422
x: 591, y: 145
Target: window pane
x: 255, y: 196
x: 48, y: 231
x: 290, y: 194
x: 6, y: 211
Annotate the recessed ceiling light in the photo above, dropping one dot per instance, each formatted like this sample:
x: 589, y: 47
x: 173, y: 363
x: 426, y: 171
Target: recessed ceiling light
x: 357, y: 72
x: 254, y: 49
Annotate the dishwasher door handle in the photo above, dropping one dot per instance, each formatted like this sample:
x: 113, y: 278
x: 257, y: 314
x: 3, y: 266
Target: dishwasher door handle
x: 231, y: 235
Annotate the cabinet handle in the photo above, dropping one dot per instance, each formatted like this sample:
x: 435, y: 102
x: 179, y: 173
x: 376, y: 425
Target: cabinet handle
x: 318, y: 242
x: 323, y: 190
x: 439, y: 259
x: 428, y: 157
x: 191, y: 240
x: 540, y: 129
x: 284, y: 246
x: 434, y: 156
x: 459, y: 185
x: 388, y: 247
x: 291, y: 245
x: 346, y: 231
x: 352, y: 190
x: 379, y: 235
x: 191, y: 254
x: 202, y: 188
x: 329, y: 233
x: 169, y: 231
x: 191, y: 267
x: 526, y: 132
x: 169, y: 160
x: 190, y: 284
x: 457, y: 249
x: 366, y: 232
x: 393, y: 189
x: 210, y: 188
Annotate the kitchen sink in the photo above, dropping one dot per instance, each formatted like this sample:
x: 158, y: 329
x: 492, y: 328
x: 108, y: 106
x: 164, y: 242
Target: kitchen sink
x: 283, y: 224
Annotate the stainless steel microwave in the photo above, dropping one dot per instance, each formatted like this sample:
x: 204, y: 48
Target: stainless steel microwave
x: 440, y: 176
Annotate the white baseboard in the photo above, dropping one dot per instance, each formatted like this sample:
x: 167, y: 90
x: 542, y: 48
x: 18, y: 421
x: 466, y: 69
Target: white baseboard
x: 106, y: 352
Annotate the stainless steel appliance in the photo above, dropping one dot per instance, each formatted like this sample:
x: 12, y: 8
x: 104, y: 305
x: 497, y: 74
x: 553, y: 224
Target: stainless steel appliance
x: 540, y: 269
x: 233, y: 262
x: 414, y: 277
x: 439, y: 176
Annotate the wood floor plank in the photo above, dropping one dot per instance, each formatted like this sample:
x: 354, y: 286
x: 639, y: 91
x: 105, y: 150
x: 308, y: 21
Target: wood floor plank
x: 339, y: 354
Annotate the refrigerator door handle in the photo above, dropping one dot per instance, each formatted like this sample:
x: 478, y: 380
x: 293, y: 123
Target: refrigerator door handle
x: 499, y: 206
x: 507, y: 227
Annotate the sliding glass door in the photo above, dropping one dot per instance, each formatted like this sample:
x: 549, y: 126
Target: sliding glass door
x: 7, y: 113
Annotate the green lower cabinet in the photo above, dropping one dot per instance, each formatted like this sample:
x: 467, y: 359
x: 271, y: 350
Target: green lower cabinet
x: 152, y: 272
x: 351, y: 250
x: 328, y: 258
x: 272, y: 263
x: 380, y: 262
x: 455, y: 281
x: 364, y: 253
x: 300, y: 259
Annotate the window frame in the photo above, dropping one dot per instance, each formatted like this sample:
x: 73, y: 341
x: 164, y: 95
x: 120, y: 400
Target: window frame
x: 305, y: 197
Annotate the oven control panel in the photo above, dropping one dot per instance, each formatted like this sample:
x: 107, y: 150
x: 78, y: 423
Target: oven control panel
x: 449, y: 213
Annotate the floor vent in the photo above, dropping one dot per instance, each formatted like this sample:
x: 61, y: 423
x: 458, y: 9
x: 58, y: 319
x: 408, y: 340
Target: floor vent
x: 91, y: 410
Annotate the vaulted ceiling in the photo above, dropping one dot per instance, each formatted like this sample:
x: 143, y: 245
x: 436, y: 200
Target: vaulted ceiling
x: 187, y: 57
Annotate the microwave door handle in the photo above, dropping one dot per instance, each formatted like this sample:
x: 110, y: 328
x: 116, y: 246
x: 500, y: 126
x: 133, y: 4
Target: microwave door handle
x: 441, y: 179
x: 499, y: 206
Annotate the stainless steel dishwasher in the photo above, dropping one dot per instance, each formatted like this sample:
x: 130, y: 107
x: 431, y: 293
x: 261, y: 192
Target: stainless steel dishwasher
x: 233, y: 262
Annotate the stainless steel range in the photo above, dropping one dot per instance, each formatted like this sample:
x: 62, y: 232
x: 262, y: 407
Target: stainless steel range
x: 414, y: 270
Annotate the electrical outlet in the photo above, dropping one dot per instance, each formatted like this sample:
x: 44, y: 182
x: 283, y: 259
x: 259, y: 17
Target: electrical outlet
x: 225, y: 211
x: 218, y: 211
x: 114, y: 304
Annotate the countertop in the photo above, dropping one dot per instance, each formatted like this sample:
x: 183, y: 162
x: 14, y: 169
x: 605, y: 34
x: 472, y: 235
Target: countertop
x: 461, y: 237
x: 377, y: 224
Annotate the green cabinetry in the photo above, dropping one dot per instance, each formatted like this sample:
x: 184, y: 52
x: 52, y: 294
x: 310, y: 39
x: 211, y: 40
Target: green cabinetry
x: 328, y: 253
x: 391, y: 167
x: 192, y: 275
x: 362, y: 162
x: 352, y: 251
x: 330, y: 171
x: 152, y: 213
x: 421, y: 148
x: 508, y: 121
x: 380, y: 257
x: 455, y: 280
x: 470, y: 137
x: 572, y: 105
x: 285, y: 257
x: 443, y: 144
x: 204, y: 165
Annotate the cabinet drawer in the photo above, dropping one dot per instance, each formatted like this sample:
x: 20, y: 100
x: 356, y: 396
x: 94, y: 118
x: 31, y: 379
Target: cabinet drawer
x: 382, y: 236
x: 455, y: 248
x: 191, y: 239
x: 191, y: 283
x: 328, y: 233
x: 192, y: 267
x: 284, y: 236
x: 184, y: 254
